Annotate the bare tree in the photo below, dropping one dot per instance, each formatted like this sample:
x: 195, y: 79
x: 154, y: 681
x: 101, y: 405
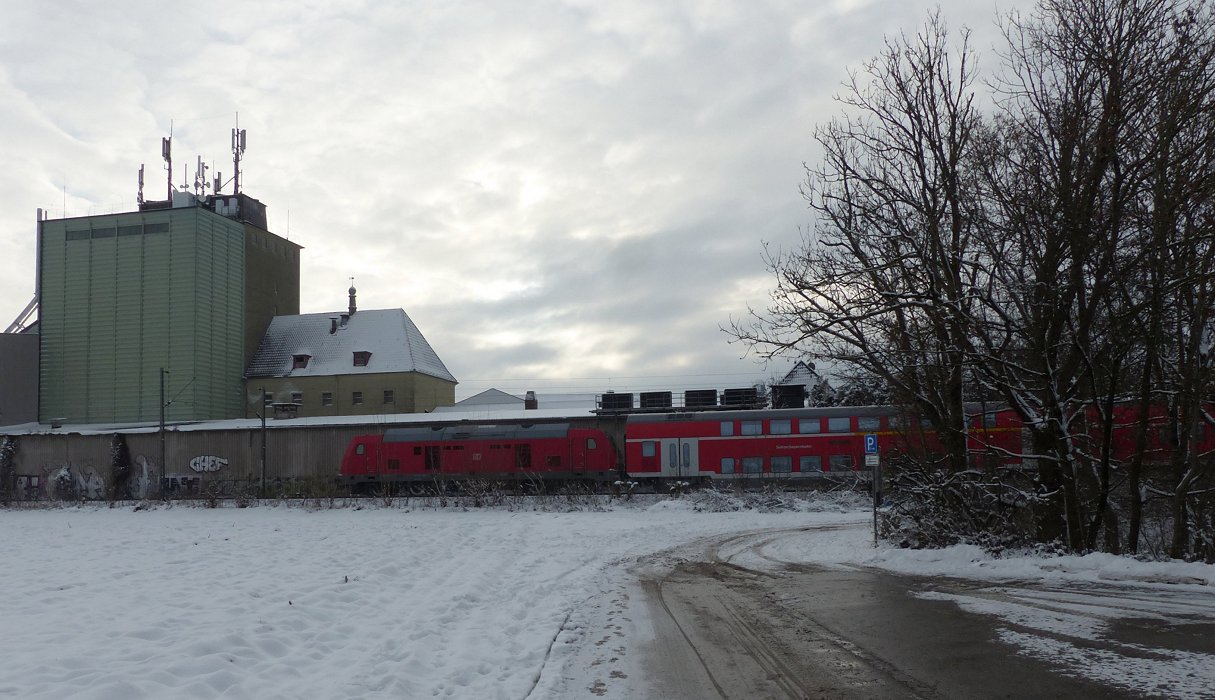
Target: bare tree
x: 1103, y: 180
x: 880, y: 289
x: 1057, y: 254
x: 1180, y: 219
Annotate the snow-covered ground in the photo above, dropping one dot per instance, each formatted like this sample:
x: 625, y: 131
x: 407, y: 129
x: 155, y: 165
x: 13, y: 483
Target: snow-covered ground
x: 413, y: 601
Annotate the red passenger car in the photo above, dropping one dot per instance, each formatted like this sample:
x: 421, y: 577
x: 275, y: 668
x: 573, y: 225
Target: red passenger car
x: 791, y: 443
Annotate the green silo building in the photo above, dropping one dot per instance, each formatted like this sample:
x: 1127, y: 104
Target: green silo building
x: 189, y: 286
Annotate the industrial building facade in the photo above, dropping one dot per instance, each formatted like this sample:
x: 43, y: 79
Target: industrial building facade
x: 184, y: 289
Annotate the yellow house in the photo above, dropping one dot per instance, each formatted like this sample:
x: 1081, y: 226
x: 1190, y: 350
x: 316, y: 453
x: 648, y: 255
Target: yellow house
x: 344, y: 364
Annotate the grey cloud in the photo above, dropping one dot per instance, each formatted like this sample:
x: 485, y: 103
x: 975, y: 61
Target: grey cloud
x: 560, y: 188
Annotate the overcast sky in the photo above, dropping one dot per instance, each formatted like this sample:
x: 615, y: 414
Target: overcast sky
x: 562, y: 195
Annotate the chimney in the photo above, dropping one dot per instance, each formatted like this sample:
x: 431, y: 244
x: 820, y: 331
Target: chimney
x: 529, y: 401
x: 333, y: 325
x: 353, y: 308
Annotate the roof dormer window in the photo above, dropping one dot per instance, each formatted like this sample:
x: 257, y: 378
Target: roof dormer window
x: 361, y: 358
x: 300, y: 361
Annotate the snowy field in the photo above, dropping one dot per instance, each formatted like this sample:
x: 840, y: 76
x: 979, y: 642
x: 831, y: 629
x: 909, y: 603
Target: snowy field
x: 409, y: 601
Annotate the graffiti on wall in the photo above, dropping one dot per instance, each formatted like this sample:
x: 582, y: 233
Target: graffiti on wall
x: 73, y: 481
x: 208, y: 463
x: 28, y: 486
x: 70, y: 482
x: 140, y: 484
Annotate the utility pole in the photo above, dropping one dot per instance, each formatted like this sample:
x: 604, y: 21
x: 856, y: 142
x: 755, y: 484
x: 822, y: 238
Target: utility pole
x: 262, y: 414
x: 164, y: 472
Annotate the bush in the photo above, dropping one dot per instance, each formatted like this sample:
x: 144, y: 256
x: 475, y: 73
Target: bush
x: 932, y: 507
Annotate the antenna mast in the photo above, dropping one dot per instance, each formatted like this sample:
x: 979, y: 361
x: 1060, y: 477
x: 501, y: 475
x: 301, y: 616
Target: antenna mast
x: 238, y: 149
x: 166, y: 152
x: 139, y: 197
x: 200, y: 178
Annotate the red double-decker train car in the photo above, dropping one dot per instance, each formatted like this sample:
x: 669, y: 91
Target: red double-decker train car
x: 795, y: 443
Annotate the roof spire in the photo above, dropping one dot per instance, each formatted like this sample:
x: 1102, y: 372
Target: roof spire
x: 353, y: 308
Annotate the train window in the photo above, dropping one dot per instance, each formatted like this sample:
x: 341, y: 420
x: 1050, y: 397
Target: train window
x: 751, y: 427
x: 590, y: 443
x: 783, y: 426
x: 840, y: 462
x: 360, y: 449
x: 554, y: 460
x: 649, y: 448
x: 810, y: 463
x: 727, y: 465
x: 782, y: 464
x: 727, y: 428
x: 809, y: 425
x: 869, y: 423
x: 752, y: 465
x: 394, y: 464
x: 841, y: 424
x: 417, y: 450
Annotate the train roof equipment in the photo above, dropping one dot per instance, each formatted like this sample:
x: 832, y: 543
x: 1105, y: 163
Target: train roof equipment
x: 478, y: 432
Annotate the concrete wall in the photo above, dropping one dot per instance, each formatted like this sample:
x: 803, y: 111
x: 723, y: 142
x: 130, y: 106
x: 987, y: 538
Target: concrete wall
x: 224, y: 461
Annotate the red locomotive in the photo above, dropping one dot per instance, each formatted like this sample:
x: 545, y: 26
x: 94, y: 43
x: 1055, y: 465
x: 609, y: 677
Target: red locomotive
x: 420, y: 456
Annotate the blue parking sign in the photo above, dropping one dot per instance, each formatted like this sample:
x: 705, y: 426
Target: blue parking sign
x: 871, y: 444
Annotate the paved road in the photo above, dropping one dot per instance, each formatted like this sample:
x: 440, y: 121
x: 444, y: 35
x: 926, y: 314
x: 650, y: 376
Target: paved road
x: 780, y: 630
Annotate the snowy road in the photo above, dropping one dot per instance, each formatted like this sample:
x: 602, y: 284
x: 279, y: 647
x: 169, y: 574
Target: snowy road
x: 747, y: 617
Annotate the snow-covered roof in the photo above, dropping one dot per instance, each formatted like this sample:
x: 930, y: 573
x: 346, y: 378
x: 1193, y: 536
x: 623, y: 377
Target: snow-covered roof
x: 800, y: 374
x: 496, y: 400
x: 476, y: 413
x: 395, y: 344
x: 490, y: 396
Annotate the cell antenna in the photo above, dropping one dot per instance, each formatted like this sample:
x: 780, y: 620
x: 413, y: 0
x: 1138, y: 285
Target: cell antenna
x: 139, y: 196
x: 238, y: 149
x: 166, y: 152
x: 200, y: 178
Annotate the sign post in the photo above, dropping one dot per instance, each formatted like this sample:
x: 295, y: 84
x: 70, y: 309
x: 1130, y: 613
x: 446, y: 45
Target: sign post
x: 874, y: 461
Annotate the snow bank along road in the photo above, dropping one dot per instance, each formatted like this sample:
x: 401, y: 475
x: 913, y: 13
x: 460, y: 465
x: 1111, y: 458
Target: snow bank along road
x: 409, y: 602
